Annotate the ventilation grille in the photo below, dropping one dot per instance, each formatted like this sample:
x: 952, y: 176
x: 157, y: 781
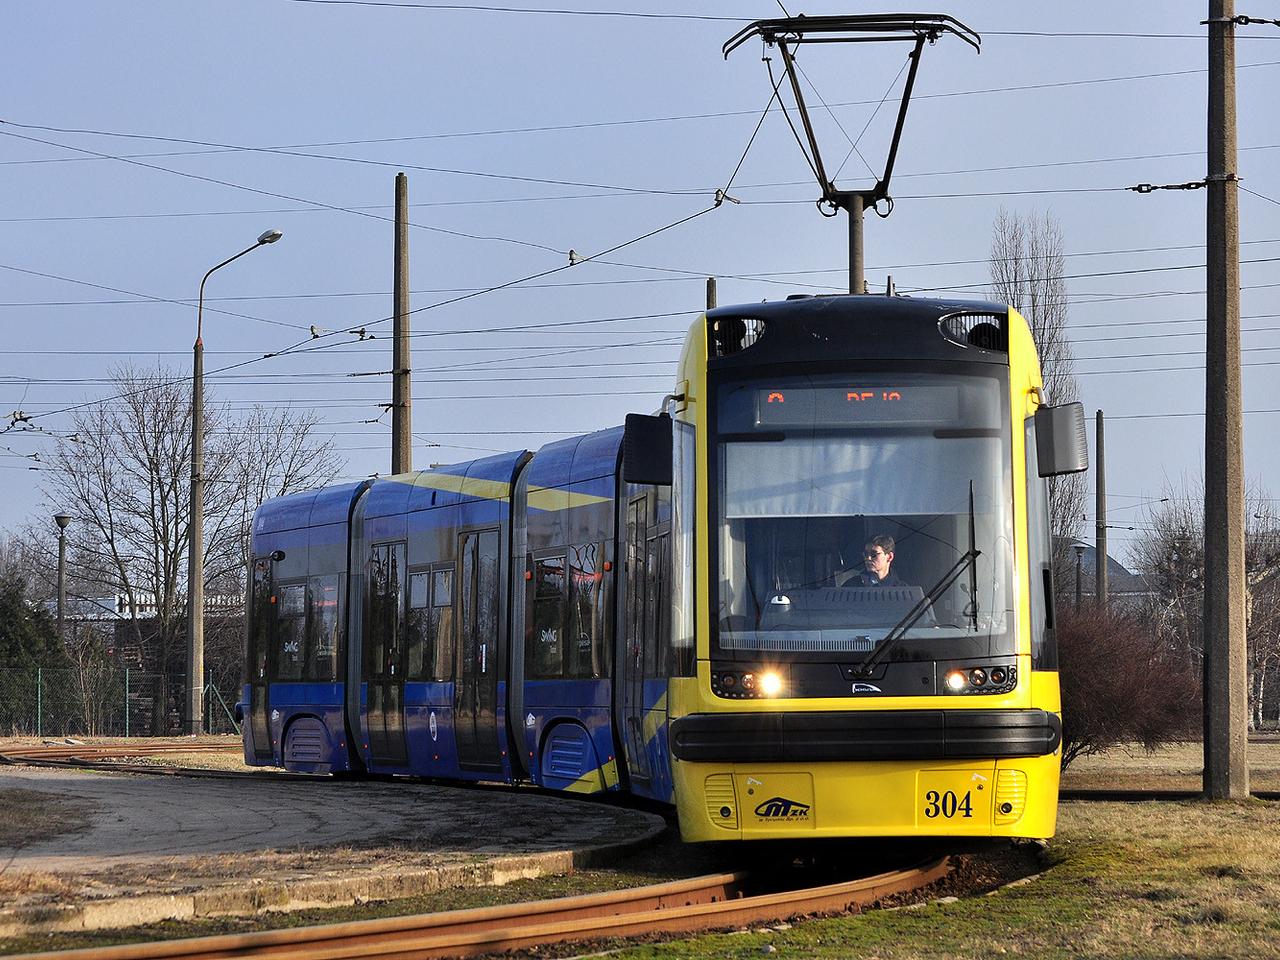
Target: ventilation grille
x: 719, y: 795
x: 734, y: 335
x: 1011, y: 796
x: 988, y: 331
x: 566, y: 754
x: 306, y: 742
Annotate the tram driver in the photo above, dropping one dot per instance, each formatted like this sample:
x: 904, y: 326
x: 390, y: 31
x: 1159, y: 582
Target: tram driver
x: 877, y: 562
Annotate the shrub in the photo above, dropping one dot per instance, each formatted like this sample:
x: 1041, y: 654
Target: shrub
x: 1120, y: 684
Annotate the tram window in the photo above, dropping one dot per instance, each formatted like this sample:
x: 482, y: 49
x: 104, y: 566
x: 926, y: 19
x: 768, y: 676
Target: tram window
x: 585, y: 649
x: 655, y: 598
x: 291, y: 620
x: 545, y: 648
x: 261, y: 614
x: 420, y: 634
x: 487, y: 601
x: 384, y: 636
x: 323, y: 626
x: 442, y: 635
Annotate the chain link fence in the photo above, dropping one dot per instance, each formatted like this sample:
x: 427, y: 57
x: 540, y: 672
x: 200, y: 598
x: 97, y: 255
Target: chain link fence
x: 108, y: 701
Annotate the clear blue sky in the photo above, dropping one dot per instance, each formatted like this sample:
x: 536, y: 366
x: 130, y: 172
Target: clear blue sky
x: 582, y: 132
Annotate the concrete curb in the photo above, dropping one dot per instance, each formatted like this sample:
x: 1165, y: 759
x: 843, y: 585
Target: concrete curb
x: 254, y: 896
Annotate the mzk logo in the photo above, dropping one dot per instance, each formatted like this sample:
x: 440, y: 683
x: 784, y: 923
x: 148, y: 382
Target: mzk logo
x: 780, y: 808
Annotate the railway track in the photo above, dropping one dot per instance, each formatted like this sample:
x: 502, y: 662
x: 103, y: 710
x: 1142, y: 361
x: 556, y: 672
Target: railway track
x: 716, y: 901
x: 87, y: 751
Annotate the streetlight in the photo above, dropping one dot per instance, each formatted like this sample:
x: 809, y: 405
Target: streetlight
x: 195, y: 549
x: 1079, y: 548
x: 62, y: 520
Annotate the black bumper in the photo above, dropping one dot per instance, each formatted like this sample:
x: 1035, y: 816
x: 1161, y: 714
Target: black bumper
x: 865, y: 735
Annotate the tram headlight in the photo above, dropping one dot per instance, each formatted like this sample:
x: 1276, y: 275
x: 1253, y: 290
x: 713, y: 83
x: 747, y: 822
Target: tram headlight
x: 769, y: 683
x: 956, y: 680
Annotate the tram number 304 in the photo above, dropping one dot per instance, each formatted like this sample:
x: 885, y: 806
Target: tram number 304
x: 947, y: 804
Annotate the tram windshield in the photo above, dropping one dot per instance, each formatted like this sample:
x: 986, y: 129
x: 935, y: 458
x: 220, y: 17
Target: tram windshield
x: 850, y: 507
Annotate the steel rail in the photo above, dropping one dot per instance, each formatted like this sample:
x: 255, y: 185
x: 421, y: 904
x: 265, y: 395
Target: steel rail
x: 716, y: 901
x: 107, y: 751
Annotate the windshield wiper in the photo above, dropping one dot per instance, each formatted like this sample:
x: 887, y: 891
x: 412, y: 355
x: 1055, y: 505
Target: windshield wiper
x: 900, y: 629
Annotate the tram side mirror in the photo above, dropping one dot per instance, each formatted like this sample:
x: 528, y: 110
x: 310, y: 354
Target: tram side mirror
x: 646, y: 449
x: 1061, y: 443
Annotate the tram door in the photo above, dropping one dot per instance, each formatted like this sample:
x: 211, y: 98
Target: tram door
x: 646, y: 630
x: 632, y: 662
x: 384, y: 653
x: 475, y: 708
x: 261, y: 621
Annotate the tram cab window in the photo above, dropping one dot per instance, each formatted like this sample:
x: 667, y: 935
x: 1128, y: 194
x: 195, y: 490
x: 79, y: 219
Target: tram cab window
x: 323, y: 629
x: 291, y: 634
x: 811, y: 472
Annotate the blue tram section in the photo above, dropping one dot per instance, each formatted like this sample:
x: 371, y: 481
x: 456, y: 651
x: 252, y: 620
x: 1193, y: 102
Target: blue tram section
x: 500, y: 620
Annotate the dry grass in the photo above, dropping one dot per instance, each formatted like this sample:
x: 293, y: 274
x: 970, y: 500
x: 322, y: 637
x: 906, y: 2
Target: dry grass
x: 30, y: 816
x: 1175, y: 766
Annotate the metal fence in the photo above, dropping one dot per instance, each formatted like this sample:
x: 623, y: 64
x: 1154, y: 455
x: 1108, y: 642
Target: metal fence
x: 107, y: 701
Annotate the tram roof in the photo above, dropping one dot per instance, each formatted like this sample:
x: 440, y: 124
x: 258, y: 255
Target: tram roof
x: 576, y: 459
x: 310, y: 508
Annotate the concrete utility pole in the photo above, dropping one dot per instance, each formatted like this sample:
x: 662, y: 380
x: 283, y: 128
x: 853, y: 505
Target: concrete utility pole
x: 711, y: 293
x: 1100, y: 516
x: 401, y: 389
x: 1226, y: 770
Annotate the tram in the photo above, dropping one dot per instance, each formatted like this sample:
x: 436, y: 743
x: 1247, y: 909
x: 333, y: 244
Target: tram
x: 810, y: 598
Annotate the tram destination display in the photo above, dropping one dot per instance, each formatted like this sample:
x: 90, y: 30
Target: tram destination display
x: 852, y: 404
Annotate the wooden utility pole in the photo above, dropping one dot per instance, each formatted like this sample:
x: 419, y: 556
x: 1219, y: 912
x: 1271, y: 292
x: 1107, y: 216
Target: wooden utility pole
x: 1226, y: 771
x: 1100, y: 515
x: 401, y: 389
x: 711, y: 293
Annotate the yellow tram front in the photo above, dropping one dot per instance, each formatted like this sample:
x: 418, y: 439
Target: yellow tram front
x: 862, y: 528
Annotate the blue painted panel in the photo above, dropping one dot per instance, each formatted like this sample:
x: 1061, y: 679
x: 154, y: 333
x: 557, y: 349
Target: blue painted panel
x: 552, y: 465
x: 321, y: 705
x: 495, y: 469
x: 388, y: 527
x: 597, y: 455
x: 284, y: 513
x: 333, y: 504
x: 389, y: 496
x: 548, y: 703
x: 303, y: 694
x: 424, y: 496
x: 568, y: 754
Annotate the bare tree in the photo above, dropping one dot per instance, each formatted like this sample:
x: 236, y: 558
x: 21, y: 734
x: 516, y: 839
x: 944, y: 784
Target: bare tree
x: 126, y: 480
x: 1170, y: 554
x: 1028, y: 267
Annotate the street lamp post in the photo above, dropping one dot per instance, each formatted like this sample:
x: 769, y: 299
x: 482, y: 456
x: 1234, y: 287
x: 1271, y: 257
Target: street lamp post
x: 195, y: 547
x: 62, y: 520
